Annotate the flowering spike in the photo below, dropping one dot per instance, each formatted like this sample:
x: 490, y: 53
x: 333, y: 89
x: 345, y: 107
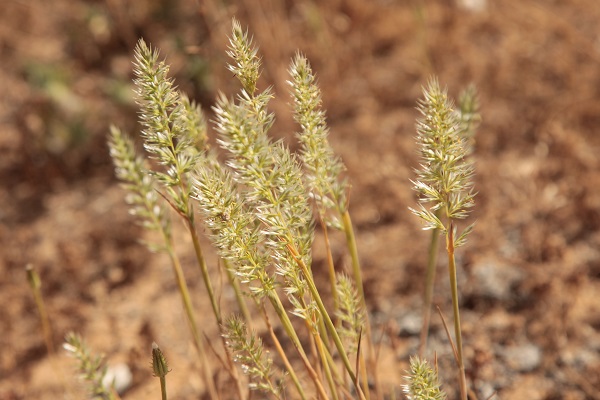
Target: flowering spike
x: 422, y: 382
x: 445, y: 178
x: 160, y: 367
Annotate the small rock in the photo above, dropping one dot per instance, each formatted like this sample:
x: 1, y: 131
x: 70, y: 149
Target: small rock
x: 118, y: 375
x: 493, y: 280
x: 474, y: 5
x: 580, y: 357
x: 523, y: 358
x: 410, y: 324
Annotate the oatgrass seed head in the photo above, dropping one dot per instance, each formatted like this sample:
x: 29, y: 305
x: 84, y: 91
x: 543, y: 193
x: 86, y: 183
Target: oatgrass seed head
x: 445, y: 176
x: 244, y: 137
x: 234, y: 230
x: 422, y: 382
x: 271, y: 173
x: 193, y: 124
x: 139, y: 183
x: 172, y: 125
x: 275, y: 192
x: 249, y: 352
x: 468, y: 109
x: 350, y: 313
x: 323, y: 167
x: 246, y: 66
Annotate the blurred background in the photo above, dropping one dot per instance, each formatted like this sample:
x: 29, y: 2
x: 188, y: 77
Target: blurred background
x: 529, y: 275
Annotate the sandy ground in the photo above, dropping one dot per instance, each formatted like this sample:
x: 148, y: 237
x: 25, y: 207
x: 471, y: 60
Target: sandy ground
x: 529, y: 276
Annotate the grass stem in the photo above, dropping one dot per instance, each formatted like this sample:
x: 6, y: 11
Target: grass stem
x: 204, y: 270
x: 35, y: 283
x: 284, y: 358
x: 358, y: 281
x: 239, y: 295
x: 455, y: 308
x: 327, y: 319
x: 291, y: 332
x: 163, y: 388
x: 330, y: 266
x: 428, y: 294
x: 211, y: 294
x: 187, y: 305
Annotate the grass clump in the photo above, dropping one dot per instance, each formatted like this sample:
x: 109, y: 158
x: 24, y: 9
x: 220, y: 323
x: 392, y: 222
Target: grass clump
x: 444, y: 183
x: 260, y: 208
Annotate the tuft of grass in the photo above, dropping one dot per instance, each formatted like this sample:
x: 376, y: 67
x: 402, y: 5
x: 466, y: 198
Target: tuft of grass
x: 260, y: 207
x: 445, y: 186
x: 468, y: 117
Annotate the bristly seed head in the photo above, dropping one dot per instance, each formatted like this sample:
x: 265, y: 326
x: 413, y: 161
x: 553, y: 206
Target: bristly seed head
x: 323, y: 168
x: 246, y: 66
x: 422, y: 382
x: 159, y: 362
x: 445, y: 176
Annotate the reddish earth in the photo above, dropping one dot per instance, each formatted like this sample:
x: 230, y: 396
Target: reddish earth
x: 530, y: 273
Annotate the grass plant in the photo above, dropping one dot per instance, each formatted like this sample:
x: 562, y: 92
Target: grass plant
x: 444, y: 183
x: 469, y: 118
x: 260, y: 207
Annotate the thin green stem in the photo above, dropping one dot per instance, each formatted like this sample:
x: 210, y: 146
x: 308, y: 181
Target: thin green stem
x: 187, y: 305
x: 214, y: 304
x: 163, y: 387
x: 356, y: 271
x: 337, y: 379
x: 285, y: 320
x: 428, y: 295
x: 320, y: 340
x: 330, y: 267
x: 282, y: 354
x: 358, y: 281
x: 327, y: 319
x: 291, y: 332
x: 457, y: 330
x: 239, y: 296
x: 189, y: 219
x: 35, y: 283
x: 363, y: 373
x: 324, y: 361
x: 204, y: 271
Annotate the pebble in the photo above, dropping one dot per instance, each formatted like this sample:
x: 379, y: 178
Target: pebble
x: 410, y: 324
x: 522, y: 358
x: 474, y: 5
x: 118, y: 375
x: 495, y: 281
